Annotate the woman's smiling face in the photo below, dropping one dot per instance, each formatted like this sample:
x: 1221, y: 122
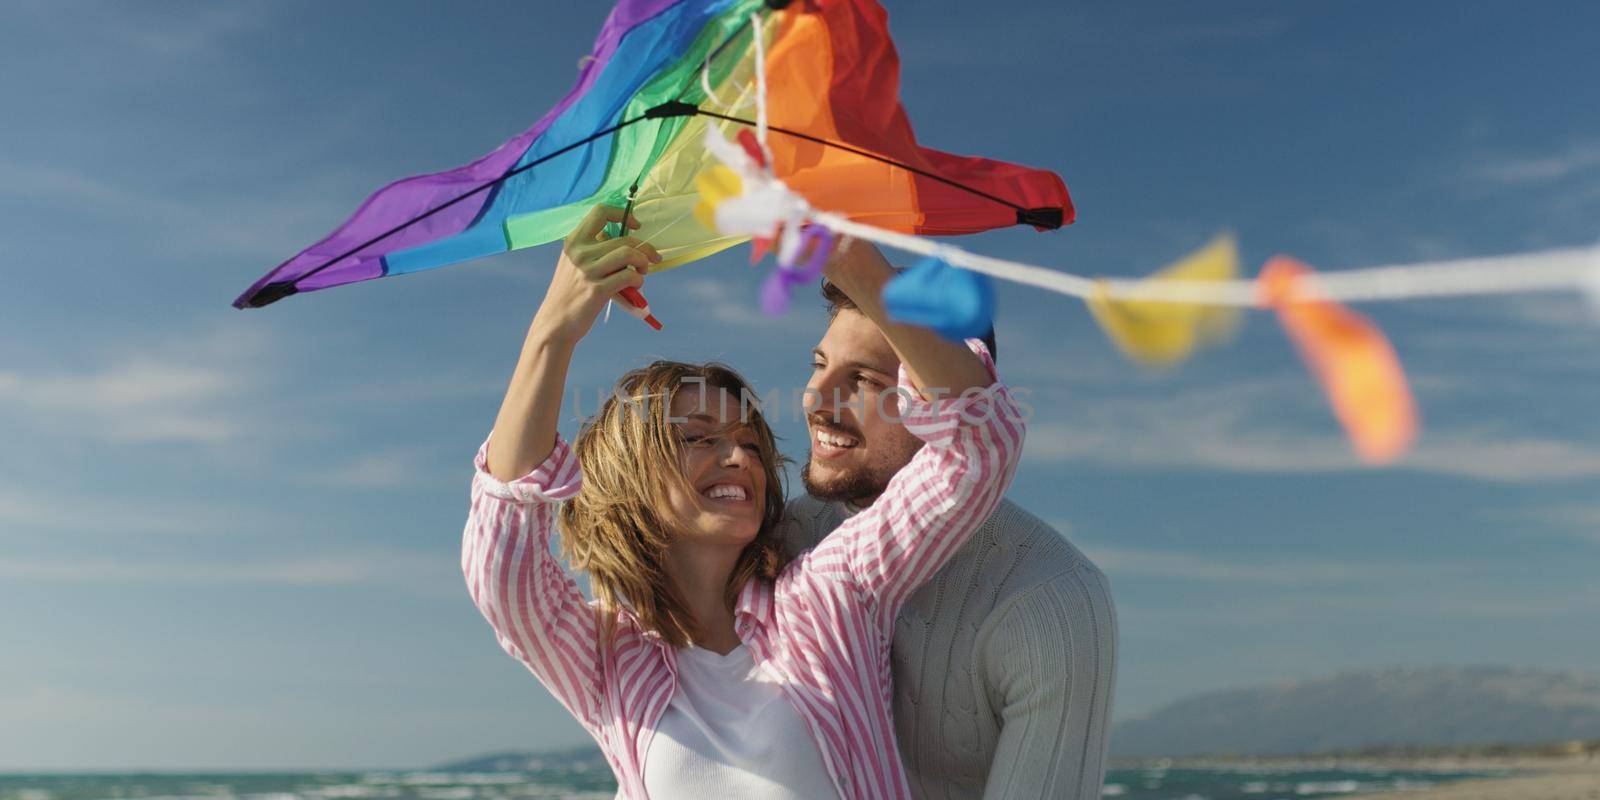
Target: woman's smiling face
x: 722, y: 462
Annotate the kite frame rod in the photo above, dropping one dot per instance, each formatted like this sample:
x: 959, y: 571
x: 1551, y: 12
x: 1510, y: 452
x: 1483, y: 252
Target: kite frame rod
x: 1048, y: 217
x: 510, y: 174
x: 448, y: 203
x: 1018, y: 207
x: 683, y: 110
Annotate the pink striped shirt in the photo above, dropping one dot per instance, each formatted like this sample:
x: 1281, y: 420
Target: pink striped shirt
x: 824, y: 627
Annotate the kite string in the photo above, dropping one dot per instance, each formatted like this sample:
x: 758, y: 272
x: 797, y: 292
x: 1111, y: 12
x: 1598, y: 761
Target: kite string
x: 756, y: 36
x: 646, y: 240
x: 1546, y: 270
x: 754, y: 24
x: 878, y: 157
x: 664, y: 228
x: 705, y: 82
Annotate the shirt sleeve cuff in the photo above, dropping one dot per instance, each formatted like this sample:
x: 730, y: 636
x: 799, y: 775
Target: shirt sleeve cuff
x: 937, y: 419
x: 557, y: 478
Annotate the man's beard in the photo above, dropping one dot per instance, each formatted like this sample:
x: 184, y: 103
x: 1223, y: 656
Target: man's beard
x: 856, y: 485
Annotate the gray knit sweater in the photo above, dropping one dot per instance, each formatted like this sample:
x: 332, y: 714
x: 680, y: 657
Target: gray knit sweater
x: 1003, y: 663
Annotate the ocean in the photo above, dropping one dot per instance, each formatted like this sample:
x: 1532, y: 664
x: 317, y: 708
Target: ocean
x: 581, y: 781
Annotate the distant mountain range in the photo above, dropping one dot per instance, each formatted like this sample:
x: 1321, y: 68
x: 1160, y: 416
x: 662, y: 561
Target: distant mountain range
x: 1372, y: 708
x: 576, y: 759
x: 1357, y: 710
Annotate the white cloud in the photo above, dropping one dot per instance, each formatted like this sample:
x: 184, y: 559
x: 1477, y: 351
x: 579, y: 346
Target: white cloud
x: 1250, y: 427
x: 203, y: 29
x: 373, y: 470
x: 727, y: 303
x: 37, y: 182
x: 1512, y: 459
x: 387, y: 468
x: 1217, y: 440
x: 297, y: 718
x: 1251, y: 570
x: 1477, y: 597
x: 254, y: 227
x: 1300, y: 585
x: 182, y: 392
x: 91, y: 510
x: 174, y: 33
x: 139, y: 402
x: 1576, y: 158
x: 1235, y: 590
x: 1575, y: 521
x: 386, y: 567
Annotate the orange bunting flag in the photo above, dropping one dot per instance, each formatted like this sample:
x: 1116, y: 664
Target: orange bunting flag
x: 1354, y: 362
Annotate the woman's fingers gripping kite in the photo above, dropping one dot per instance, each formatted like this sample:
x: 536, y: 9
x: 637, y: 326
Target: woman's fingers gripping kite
x: 599, y: 256
x: 590, y: 272
x: 620, y: 253
x: 592, y: 228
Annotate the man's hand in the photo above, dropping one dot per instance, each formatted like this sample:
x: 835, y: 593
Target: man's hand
x: 934, y: 363
x: 858, y: 269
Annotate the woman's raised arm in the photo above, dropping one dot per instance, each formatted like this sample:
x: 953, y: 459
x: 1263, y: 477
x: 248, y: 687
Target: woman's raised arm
x: 590, y: 271
x: 535, y: 607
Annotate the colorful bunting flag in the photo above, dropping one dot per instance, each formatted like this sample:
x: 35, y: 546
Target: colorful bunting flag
x: 957, y: 303
x: 1163, y: 333
x: 1350, y: 357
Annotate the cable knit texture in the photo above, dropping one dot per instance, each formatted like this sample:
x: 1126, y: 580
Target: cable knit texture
x: 1003, y: 663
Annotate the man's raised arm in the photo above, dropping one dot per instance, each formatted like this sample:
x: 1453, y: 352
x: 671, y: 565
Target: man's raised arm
x: 931, y: 361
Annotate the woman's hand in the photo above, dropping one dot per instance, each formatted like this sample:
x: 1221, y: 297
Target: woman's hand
x: 592, y: 269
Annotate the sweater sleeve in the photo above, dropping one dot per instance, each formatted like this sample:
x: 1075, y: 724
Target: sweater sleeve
x: 534, y: 606
x: 1049, y: 661
x: 933, y: 504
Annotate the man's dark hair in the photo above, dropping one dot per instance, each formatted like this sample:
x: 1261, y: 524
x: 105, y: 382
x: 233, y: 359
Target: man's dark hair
x: 837, y: 299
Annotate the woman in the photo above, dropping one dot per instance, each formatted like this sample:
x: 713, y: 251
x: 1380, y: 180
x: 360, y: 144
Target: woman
x: 706, y: 667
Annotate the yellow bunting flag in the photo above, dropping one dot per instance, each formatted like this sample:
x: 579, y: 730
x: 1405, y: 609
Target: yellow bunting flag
x: 1355, y: 363
x: 1161, y: 332
x: 716, y: 185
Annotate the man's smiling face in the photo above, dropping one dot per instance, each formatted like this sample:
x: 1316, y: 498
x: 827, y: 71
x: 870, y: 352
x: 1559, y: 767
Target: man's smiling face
x: 852, y: 413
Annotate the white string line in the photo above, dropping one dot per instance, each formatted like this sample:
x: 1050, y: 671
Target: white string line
x: 1048, y: 279
x: 757, y: 36
x: 650, y: 179
x: 1546, y: 270
x: 705, y: 84
x: 705, y: 80
x: 663, y: 228
x: 646, y: 240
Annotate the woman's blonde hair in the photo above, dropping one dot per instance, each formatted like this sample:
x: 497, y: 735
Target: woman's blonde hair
x: 615, y: 528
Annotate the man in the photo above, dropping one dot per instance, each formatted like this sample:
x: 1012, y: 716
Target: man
x: 1003, y: 663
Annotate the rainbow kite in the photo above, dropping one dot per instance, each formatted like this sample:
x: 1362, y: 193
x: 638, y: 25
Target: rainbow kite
x: 632, y: 132
x: 716, y: 121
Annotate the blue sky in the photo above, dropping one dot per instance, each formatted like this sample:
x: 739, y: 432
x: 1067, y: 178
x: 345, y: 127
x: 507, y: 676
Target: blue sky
x: 229, y: 539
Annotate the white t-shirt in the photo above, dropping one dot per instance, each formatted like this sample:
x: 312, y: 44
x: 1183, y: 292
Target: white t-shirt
x: 729, y: 731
